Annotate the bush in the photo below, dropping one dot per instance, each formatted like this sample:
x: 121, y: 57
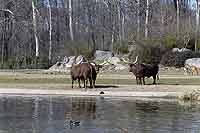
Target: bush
x: 177, y: 59
x: 26, y: 63
x: 78, y: 48
x: 170, y: 42
x: 148, y: 52
x: 121, y: 48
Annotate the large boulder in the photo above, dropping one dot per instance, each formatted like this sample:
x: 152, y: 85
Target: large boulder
x: 103, y: 55
x: 120, y: 67
x: 180, y: 50
x: 65, y: 60
x: 80, y: 59
x: 71, y: 60
x: 114, y: 60
x: 193, y: 62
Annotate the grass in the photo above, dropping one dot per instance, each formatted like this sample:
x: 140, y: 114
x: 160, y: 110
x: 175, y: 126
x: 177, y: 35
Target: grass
x: 163, y: 81
x: 29, y: 79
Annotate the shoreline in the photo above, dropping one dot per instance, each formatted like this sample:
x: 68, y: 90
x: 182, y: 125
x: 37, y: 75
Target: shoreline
x: 176, y: 92
x: 90, y: 92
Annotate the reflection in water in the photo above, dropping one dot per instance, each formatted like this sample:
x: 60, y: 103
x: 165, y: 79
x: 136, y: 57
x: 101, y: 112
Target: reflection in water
x: 95, y: 115
x: 36, y: 115
x: 84, y: 108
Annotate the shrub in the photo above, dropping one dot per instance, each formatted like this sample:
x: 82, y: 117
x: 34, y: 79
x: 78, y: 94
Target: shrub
x: 121, y: 48
x: 170, y: 42
x: 148, y: 52
x: 26, y: 63
x: 177, y: 59
x: 79, y: 48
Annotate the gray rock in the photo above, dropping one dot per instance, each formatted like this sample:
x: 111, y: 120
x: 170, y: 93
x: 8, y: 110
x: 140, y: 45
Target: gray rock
x: 102, y: 55
x: 180, y: 50
x: 72, y: 60
x: 193, y: 61
x: 114, y: 60
x: 80, y: 59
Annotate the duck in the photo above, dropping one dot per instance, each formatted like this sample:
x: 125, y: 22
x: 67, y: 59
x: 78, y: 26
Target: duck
x: 74, y: 123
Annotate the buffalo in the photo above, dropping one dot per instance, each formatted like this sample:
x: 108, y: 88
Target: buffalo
x: 75, y: 72
x: 84, y: 72
x: 141, y: 70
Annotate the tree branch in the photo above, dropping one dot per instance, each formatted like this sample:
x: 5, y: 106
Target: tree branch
x: 7, y: 10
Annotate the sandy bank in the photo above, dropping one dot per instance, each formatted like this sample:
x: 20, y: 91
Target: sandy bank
x: 111, y: 92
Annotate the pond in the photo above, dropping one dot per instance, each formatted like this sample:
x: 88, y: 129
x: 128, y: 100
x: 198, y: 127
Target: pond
x: 59, y: 114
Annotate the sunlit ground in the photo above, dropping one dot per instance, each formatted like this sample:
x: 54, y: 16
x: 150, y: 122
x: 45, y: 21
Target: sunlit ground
x: 41, y: 79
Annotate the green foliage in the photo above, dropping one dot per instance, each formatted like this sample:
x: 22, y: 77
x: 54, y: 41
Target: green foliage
x: 26, y: 63
x: 198, y: 43
x: 149, y: 51
x: 150, y: 55
x: 170, y: 42
x: 177, y: 59
x: 78, y: 48
x: 121, y: 48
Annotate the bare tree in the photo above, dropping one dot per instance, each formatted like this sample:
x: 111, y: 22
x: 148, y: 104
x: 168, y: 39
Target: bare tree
x: 70, y: 20
x: 138, y: 19
x: 35, y: 29
x: 147, y: 19
x: 177, y: 15
x: 197, y: 23
x: 50, y: 30
x: 119, y: 20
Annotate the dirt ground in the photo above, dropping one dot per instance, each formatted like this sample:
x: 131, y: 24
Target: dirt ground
x: 170, y: 80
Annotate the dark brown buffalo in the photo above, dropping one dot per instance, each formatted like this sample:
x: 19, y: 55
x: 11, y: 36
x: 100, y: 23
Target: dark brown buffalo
x: 144, y: 70
x: 95, y: 71
x: 141, y: 70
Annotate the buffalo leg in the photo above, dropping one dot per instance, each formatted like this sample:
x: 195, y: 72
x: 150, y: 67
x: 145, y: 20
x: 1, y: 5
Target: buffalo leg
x: 140, y: 80
x: 143, y: 80
x: 94, y: 83
x: 79, y: 84
x: 86, y: 81
x: 154, y: 79
x: 90, y: 80
x: 72, y: 83
x: 137, y: 81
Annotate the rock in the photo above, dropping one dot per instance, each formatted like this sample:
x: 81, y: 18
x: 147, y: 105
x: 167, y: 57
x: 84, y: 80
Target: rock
x: 80, y: 59
x: 65, y: 60
x: 193, y: 62
x: 72, y: 59
x: 102, y: 55
x: 120, y: 67
x: 180, y: 50
x: 114, y: 60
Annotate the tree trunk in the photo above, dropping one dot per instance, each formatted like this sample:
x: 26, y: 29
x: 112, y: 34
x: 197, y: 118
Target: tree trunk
x: 119, y: 20
x: 147, y: 19
x: 123, y: 25
x: 6, y: 33
x: 50, y: 30
x: 162, y: 18
x: 35, y: 30
x: 177, y: 16
x: 70, y: 20
x: 197, y: 23
x: 138, y: 19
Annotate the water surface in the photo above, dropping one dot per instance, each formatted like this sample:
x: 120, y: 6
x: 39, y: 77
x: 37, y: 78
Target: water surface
x: 96, y: 115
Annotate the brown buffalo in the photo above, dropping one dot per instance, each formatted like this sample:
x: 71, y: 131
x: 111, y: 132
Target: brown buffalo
x: 85, y: 72
x: 75, y: 72
x: 141, y: 70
